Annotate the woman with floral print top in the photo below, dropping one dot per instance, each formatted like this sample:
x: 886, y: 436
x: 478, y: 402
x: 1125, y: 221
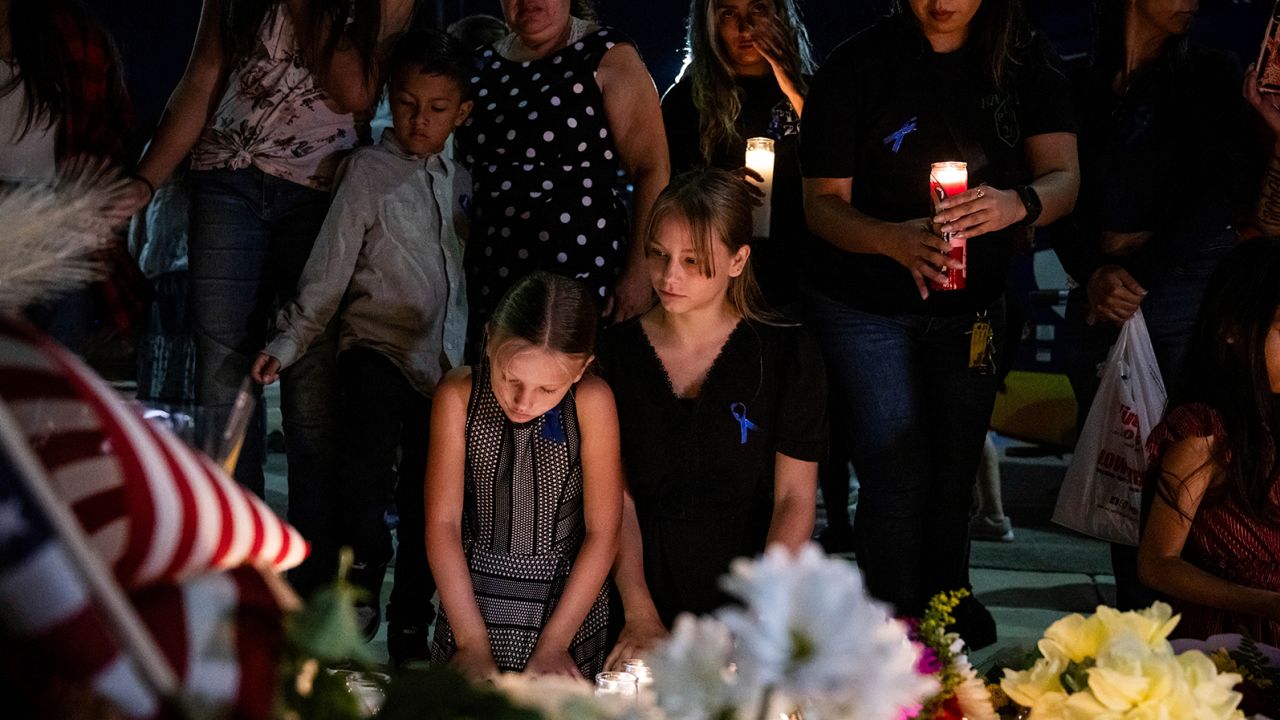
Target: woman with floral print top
x: 265, y: 109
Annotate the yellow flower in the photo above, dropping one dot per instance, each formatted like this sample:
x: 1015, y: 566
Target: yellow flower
x: 1073, y: 638
x: 1213, y: 690
x: 1026, y: 687
x: 1131, y: 672
x: 1153, y: 624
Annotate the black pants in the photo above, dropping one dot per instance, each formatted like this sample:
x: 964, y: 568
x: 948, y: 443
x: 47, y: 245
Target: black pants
x: 385, y: 425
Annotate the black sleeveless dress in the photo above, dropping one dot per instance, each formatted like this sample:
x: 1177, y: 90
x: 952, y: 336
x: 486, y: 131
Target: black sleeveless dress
x: 547, y: 194
x: 522, y: 527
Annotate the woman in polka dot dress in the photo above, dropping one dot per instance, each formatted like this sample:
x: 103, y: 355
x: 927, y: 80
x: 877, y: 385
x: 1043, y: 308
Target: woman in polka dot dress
x: 563, y: 108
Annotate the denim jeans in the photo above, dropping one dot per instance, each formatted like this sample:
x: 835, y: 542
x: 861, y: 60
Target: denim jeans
x: 251, y: 234
x: 915, y: 418
x: 385, y: 425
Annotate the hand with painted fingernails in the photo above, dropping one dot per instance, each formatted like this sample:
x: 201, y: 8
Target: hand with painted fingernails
x: 978, y: 211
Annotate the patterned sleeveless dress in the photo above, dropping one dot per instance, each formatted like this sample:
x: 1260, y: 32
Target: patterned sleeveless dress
x: 522, y: 528
x: 547, y: 194
x: 1224, y: 539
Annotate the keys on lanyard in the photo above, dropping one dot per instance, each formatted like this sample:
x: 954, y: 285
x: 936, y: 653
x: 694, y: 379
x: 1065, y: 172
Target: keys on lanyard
x: 982, y: 346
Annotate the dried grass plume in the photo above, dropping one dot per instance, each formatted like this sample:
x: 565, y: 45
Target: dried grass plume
x: 52, y: 236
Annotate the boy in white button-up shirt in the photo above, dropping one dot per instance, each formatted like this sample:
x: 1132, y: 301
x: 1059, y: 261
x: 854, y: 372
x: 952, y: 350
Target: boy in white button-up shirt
x: 388, y: 265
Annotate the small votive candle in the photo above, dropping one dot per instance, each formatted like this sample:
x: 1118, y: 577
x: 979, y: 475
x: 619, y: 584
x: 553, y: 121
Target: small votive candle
x: 616, y: 683
x: 641, y: 669
x: 760, y: 158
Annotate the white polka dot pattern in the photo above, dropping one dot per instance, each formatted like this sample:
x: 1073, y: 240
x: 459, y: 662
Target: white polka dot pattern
x: 546, y: 173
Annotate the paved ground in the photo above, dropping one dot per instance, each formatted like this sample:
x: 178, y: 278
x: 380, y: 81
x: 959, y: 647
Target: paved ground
x: 1044, y: 574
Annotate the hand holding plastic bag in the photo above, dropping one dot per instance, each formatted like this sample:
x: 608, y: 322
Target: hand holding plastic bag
x: 1102, y: 492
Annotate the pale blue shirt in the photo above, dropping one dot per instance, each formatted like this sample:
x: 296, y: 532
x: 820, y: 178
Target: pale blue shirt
x: 389, y: 254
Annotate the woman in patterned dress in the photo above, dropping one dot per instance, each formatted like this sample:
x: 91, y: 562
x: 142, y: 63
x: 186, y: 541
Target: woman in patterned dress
x: 265, y: 110
x: 524, y: 491
x: 563, y: 107
x: 1211, y: 536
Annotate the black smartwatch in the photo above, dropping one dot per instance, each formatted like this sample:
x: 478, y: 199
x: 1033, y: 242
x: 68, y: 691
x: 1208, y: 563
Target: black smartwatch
x: 1031, y: 201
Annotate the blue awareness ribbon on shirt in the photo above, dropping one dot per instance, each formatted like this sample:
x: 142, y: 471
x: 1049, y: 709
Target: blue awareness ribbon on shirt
x: 895, y: 138
x: 739, y: 411
x: 552, y: 430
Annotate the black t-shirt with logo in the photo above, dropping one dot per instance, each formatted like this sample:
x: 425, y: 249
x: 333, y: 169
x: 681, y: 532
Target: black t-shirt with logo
x: 881, y: 110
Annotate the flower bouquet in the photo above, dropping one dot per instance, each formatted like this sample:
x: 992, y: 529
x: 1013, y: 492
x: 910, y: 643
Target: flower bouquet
x: 807, y: 640
x: 1116, y: 664
x: 962, y: 695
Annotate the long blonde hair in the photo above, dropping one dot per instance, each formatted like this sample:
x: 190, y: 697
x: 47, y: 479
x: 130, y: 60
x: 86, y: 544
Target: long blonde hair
x: 716, y: 207
x: 715, y: 94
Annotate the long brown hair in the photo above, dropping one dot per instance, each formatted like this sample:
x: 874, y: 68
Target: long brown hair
x: 716, y: 206
x: 1226, y: 369
x: 38, y: 33
x: 715, y: 94
x: 329, y: 25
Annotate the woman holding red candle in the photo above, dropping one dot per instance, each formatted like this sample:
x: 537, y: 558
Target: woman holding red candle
x: 963, y: 80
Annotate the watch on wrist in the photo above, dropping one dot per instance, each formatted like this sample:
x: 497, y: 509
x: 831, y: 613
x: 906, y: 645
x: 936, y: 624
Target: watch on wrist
x: 1031, y: 201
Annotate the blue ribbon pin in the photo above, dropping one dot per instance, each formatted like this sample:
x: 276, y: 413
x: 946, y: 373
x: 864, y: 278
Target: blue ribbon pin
x: 895, y: 138
x: 739, y: 411
x: 552, y: 431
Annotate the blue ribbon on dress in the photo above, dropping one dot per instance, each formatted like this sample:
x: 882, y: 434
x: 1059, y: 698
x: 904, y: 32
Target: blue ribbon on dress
x: 552, y: 430
x: 739, y: 411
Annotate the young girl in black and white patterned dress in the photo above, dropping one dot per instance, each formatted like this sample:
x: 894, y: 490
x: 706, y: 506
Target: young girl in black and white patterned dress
x: 524, y: 491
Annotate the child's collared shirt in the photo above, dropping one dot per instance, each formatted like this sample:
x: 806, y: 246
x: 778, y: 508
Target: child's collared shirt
x: 390, y: 256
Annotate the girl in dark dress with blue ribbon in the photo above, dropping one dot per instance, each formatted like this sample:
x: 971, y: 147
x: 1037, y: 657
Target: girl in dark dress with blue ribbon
x: 722, y: 412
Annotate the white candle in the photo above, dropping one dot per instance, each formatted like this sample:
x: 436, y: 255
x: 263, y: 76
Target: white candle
x: 639, y: 668
x: 760, y: 159
x: 616, y: 683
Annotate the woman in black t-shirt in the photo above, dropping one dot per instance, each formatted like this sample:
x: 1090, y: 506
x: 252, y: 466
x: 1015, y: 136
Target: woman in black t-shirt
x: 746, y: 73
x: 967, y: 82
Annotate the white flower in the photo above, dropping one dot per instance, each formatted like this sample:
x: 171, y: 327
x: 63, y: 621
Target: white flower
x: 691, y: 669
x: 972, y: 694
x: 810, y: 630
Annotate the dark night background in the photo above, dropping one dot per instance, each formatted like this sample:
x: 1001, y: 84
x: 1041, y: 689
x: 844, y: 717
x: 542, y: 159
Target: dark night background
x: 155, y: 35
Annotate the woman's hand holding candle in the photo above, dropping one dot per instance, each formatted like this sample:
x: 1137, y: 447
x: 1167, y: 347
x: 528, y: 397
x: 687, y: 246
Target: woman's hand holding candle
x: 979, y: 211
x: 638, y: 635
x: 759, y: 159
x: 917, y: 246
x: 748, y: 175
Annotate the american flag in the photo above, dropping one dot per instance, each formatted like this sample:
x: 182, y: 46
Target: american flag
x: 164, y: 519
x: 154, y: 510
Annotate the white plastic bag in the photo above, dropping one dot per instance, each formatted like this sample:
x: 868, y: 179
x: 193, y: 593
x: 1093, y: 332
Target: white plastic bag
x: 1102, y: 492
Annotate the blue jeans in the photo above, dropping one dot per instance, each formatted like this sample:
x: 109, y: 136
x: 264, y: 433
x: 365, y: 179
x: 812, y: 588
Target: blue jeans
x: 251, y: 234
x: 915, y: 418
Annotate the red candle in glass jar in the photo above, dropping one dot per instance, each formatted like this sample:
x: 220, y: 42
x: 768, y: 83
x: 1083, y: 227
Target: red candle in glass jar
x: 947, y: 179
